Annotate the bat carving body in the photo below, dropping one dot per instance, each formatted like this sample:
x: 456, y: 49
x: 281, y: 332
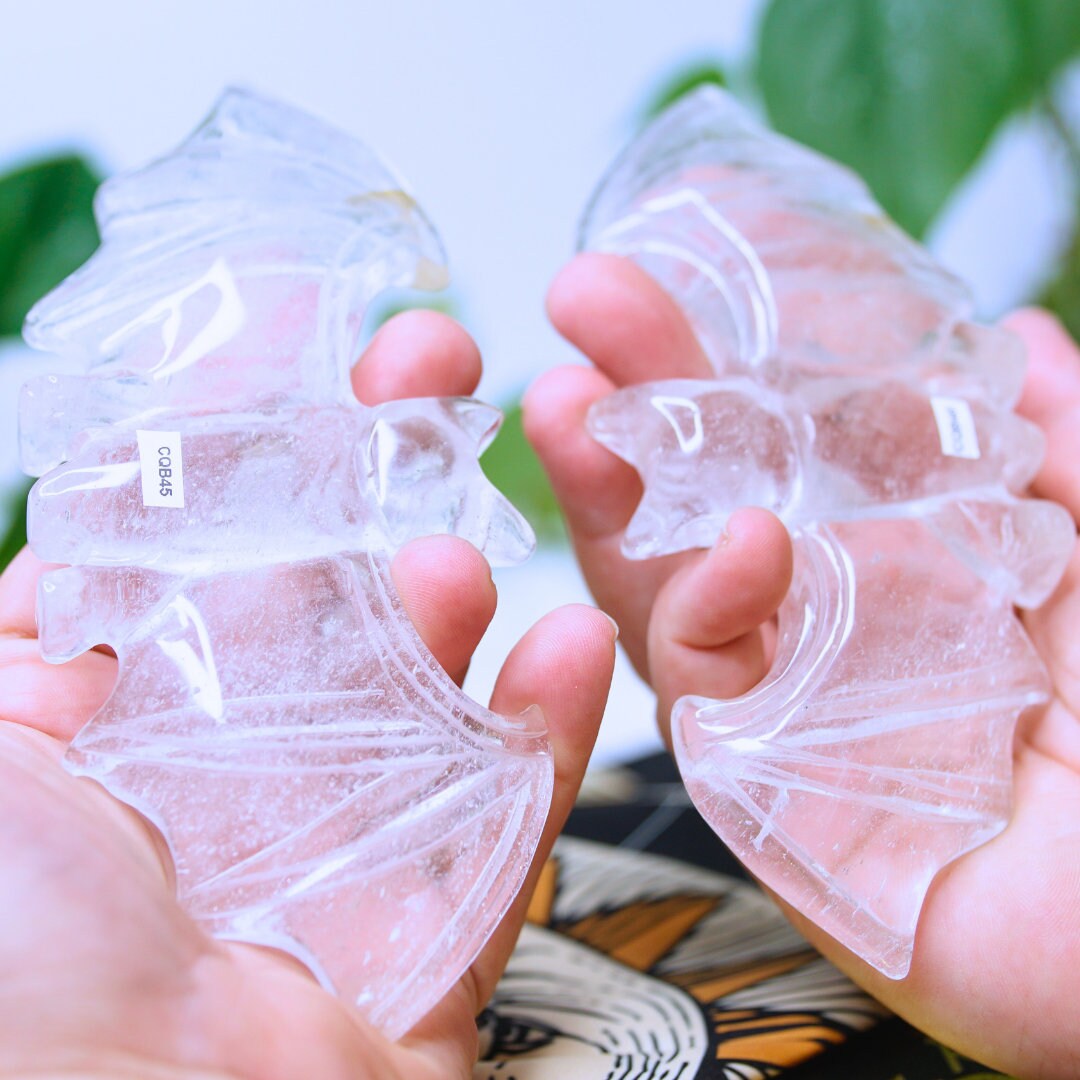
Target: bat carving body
x: 227, y: 511
x: 853, y: 398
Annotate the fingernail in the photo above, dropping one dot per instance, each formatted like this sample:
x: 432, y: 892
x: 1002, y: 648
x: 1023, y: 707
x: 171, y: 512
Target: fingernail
x: 614, y: 624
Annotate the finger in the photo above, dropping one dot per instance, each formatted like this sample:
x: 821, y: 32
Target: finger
x: 57, y: 699
x: 18, y: 597
x: 1051, y: 399
x: 597, y: 491
x: 445, y: 585
x: 1053, y: 630
x: 624, y: 322
x: 18, y: 594
x: 705, y: 635
x: 563, y: 665
x: 417, y: 354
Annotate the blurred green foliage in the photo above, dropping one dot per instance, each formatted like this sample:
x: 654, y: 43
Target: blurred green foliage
x: 513, y: 468
x: 395, y: 302
x: 13, y: 511
x: 906, y: 92
x: 47, y: 229
x: 909, y: 92
x: 685, y: 79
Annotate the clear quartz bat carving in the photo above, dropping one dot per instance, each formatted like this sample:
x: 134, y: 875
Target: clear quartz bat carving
x: 227, y: 510
x: 854, y: 398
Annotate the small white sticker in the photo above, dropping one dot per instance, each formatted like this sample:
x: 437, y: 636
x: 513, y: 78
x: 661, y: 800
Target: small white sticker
x: 956, y: 427
x: 161, y: 462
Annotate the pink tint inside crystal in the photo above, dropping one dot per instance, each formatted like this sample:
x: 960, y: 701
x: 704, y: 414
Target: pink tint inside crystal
x: 853, y: 399
x: 324, y: 787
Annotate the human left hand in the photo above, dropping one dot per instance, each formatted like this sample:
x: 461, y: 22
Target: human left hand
x: 102, y: 974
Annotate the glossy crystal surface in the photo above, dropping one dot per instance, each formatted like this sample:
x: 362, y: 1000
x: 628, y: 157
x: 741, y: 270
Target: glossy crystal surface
x: 854, y: 398
x: 323, y: 786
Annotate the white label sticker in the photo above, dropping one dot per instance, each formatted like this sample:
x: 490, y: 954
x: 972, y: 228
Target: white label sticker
x: 956, y: 427
x: 162, y: 464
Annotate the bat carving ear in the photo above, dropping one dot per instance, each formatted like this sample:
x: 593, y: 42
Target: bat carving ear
x: 79, y: 607
x: 421, y: 464
x: 477, y: 419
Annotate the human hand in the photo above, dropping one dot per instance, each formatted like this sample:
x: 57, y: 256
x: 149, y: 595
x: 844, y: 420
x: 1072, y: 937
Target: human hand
x: 996, y: 966
x: 102, y: 974
x: 695, y: 620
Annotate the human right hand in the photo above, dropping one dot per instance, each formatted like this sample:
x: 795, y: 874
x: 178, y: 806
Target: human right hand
x: 996, y: 965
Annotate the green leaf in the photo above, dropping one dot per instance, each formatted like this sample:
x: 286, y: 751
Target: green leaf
x: 510, y: 464
x: 906, y: 92
x: 47, y: 229
x: 14, y: 538
x: 1062, y: 294
x: 682, y: 82
x: 1050, y: 33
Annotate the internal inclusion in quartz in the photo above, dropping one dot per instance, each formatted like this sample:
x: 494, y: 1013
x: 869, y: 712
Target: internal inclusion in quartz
x: 324, y: 787
x: 854, y: 398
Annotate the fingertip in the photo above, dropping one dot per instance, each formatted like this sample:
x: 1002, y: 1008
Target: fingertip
x: 731, y: 590
x: 1051, y: 399
x: 1035, y: 323
x: 592, y: 627
x: 598, y: 491
x: 418, y: 353
x: 18, y: 594
x: 555, y: 405
x: 1052, y: 382
x: 564, y: 664
x: 446, y: 587
x: 624, y: 321
x: 58, y: 700
x: 759, y: 539
x: 711, y: 631
x: 584, y: 277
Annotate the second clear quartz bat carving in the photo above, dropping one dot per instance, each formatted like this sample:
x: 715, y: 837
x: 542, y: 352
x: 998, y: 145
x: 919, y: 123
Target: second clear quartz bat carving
x: 228, y: 511
x: 854, y: 399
